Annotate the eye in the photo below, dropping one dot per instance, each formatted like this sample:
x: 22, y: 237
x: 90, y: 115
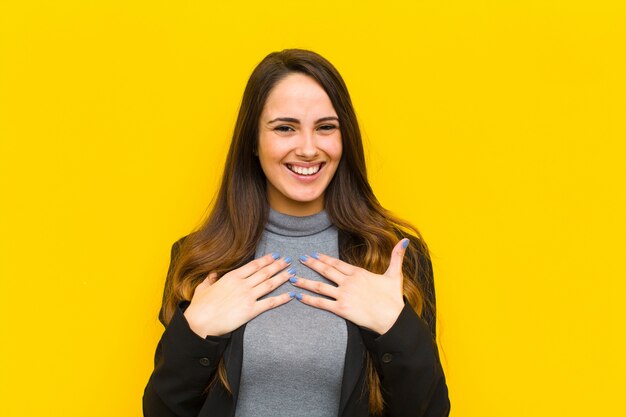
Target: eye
x: 328, y: 127
x: 283, y: 128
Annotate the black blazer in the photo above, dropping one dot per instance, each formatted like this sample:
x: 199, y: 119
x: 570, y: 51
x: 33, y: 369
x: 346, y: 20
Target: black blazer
x: 406, y: 358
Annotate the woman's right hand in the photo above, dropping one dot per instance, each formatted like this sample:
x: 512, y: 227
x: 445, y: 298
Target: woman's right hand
x: 220, y: 306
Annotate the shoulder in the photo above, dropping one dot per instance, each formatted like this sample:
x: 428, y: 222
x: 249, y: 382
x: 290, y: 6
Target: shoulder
x: 179, y: 242
x: 169, y: 278
x: 418, y: 264
x: 177, y: 246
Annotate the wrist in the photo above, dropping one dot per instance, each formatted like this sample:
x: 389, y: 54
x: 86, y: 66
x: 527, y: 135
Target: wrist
x: 200, y: 327
x: 387, y: 319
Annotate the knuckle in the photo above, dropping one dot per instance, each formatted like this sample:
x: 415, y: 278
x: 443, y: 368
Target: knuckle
x: 272, y: 269
x: 271, y: 284
x: 342, y: 307
x: 318, y: 287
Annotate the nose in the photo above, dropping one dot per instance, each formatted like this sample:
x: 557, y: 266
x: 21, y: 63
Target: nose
x: 307, y: 147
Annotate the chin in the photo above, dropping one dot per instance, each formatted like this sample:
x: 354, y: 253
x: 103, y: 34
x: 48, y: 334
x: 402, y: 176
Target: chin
x: 305, y: 200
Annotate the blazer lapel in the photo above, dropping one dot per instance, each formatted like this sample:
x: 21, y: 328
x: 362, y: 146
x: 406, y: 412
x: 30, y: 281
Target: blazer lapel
x: 355, y: 351
x: 233, y: 360
x: 353, y: 365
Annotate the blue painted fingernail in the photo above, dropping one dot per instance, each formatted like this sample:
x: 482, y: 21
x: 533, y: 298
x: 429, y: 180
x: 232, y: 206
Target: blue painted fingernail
x: 288, y: 259
x: 293, y: 280
x: 275, y: 255
x: 303, y: 258
x: 315, y: 255
x: 405, y: 243
x: 292, y: 294
x: 291, y: 271
x: 299, y: 297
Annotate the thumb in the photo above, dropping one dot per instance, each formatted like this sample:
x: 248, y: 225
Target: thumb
x: 208, y: 281
x: 211, y: 278
x: 397, y: 256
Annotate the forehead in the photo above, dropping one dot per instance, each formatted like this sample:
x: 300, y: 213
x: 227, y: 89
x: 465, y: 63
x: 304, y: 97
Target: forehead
x: 298, y: 95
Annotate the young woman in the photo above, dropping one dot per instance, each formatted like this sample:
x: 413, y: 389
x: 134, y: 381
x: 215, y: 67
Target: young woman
x: 300, y: 295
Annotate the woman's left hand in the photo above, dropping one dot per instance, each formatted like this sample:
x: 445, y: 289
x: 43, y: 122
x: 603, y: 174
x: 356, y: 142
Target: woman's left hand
x: 368, y: 300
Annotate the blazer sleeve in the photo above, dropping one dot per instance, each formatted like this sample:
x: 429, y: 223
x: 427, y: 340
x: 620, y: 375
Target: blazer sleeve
x: 407, y: 360
x: 184, y: 364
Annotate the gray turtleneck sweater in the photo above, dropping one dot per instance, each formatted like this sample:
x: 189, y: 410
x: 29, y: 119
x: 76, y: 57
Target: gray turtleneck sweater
x: 293, y: 355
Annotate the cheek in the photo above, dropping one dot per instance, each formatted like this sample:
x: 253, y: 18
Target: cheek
x: 335, y: 150
x: 269, y: 151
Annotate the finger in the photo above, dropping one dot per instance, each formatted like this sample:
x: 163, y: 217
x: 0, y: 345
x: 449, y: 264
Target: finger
x: 271, y: 302
x: 343, y: 267
x: 206, y: 282
x: 317, y: 287
x: 211, y: 278
x: 325, y: 270
x: 318, y: 302
x: 397, y: 256
x: 271, y: 284
x: 268, y: 271
x: 255, y: 265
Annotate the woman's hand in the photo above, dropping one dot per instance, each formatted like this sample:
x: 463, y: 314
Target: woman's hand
x: 220, y: 306
x: 366, y: 299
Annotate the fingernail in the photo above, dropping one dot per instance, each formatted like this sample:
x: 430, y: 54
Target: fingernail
x: 288, y: 259
x: 291, y: 271
x: 405, y: 243
x: 293, y: 280
x: 303, y: 258
x: 299, y: 297
x: 315, y: 255
x: 275, y: 255
x: 292, y: 294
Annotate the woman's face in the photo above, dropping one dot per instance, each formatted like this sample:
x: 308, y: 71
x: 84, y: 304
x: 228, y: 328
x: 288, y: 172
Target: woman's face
x: 299, y: 145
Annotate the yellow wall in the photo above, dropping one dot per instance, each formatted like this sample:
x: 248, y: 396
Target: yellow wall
x: 499, y: 128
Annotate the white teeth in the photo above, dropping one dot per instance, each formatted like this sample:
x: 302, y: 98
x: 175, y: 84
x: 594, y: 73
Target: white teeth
x: 304, y: 171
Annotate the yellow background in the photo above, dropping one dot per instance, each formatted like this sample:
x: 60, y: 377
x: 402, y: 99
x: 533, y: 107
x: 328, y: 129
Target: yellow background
x: 497, y: 127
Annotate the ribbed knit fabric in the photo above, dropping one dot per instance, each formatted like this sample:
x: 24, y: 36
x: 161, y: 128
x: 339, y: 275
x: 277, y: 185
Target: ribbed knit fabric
x: 293, y: 355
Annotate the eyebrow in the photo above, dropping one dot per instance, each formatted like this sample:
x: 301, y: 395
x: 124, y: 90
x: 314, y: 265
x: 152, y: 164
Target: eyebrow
x: 293, y: 120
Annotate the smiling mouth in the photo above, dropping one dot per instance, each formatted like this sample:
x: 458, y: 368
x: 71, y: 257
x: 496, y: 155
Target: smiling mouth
x: 306, y: 171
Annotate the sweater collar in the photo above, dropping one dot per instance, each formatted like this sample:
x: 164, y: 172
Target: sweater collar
x: 288, y: 225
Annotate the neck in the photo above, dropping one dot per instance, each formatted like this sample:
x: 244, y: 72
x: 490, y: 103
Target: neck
x: 282, y: 204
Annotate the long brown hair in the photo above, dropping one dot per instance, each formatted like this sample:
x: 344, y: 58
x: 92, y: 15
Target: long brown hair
x: 229, y: 235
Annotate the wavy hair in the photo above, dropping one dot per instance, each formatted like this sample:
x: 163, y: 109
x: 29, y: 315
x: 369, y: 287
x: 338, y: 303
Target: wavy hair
x: 229, y: 236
